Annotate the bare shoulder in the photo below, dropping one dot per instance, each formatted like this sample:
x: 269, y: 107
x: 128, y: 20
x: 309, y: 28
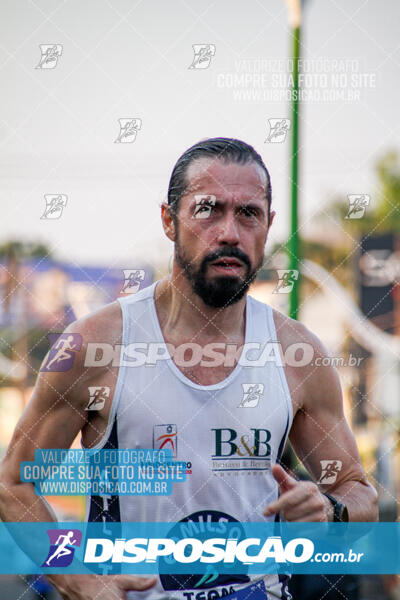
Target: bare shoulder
x: 101, y: 325
x: 309, y: 370
x: 290, y: 331
x: 57, y: 410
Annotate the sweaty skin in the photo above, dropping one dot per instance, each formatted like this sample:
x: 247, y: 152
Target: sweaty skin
x: 56, y: 412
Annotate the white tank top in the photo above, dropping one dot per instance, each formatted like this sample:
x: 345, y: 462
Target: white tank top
x: 228, y: 433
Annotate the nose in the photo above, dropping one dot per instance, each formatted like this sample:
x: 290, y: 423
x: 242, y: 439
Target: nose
x: 228, y: 233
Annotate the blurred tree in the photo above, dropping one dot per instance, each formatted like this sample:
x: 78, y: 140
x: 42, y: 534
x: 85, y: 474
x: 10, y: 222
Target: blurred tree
x: 388, y: 207
x: 16, y: 340
x: 335, y: 239
x: 381, y: 216
x: 383, y: 213
x: 15, y: 248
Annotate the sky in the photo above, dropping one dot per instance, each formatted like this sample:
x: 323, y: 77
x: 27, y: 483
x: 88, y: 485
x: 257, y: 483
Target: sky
x: 125, y: 59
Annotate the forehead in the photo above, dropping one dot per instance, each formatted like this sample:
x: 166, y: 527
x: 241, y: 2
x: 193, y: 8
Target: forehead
x: 226, y: 179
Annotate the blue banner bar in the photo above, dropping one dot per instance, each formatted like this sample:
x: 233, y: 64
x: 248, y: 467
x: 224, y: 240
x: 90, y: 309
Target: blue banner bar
x: 191, y: 547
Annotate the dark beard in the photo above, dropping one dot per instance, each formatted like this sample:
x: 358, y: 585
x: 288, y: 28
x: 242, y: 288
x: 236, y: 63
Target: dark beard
x: 217, y: 292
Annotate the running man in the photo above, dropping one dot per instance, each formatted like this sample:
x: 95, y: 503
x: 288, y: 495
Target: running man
x: 359, y: 204
x: 287, y: 281
x: 132, y: 282
x: 280, y: 128
x: 64, y: 346
x: 204, y: 53
x: 50, y: 55
x: 211, y: 327
x: 62, y: 550
x: 55, y: 205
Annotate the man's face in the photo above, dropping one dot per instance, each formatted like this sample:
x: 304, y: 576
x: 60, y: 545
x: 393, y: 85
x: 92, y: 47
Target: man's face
x: 222, y: 228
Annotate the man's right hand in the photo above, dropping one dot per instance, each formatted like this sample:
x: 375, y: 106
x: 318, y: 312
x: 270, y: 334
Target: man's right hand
x: 100, y: 587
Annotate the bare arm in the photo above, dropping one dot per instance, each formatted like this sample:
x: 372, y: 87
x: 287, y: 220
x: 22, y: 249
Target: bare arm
x: 52, y: 419
x: 320, y: 432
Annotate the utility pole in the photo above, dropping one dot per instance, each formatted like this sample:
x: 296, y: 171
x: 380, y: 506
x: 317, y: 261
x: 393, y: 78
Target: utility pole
x: 293, y: 244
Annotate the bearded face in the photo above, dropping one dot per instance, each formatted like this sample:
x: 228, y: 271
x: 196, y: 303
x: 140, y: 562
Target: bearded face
x: 221, y: 226
x: 208, y: 280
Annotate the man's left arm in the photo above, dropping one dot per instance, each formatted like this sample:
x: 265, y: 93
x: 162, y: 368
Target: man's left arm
x: 324, y: 442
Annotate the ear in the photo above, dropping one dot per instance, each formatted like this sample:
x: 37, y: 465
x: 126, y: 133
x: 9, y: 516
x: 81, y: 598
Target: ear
x: 168, y: 221
x: 271, y: 218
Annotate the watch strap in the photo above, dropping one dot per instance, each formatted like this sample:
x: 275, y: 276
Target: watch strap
x: 340, y: 512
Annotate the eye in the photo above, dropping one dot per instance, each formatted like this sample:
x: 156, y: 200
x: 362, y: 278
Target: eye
x: 248, y: 211
x: 203, y: 210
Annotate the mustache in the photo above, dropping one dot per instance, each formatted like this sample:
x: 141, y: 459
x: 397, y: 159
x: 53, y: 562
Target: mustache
x: 228, y: 252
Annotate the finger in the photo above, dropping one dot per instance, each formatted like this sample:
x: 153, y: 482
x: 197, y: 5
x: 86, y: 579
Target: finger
x: 304, y: 511
x: 131, y: 582
x: 310, y: 518
x: 287, y: 500
x: 275, y: 507
x: 284, y: 480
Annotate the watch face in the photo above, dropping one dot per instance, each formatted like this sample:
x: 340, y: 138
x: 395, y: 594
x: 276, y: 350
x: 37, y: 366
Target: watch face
x: 344, y: 516
x: 340, y: 513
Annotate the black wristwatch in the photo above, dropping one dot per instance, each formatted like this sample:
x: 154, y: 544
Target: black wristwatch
x: 340, y: 512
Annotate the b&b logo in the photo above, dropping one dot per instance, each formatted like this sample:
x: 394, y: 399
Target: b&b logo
x: 62, y: 550
x: 227, y: 444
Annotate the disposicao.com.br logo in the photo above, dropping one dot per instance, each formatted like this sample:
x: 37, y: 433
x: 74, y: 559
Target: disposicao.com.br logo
x: 212, y: 550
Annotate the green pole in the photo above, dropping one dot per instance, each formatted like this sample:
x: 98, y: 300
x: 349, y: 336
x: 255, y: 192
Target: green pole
x: 293, y: 245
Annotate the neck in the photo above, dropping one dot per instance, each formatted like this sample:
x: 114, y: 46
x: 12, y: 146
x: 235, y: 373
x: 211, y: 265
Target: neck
x: 183, y: 313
